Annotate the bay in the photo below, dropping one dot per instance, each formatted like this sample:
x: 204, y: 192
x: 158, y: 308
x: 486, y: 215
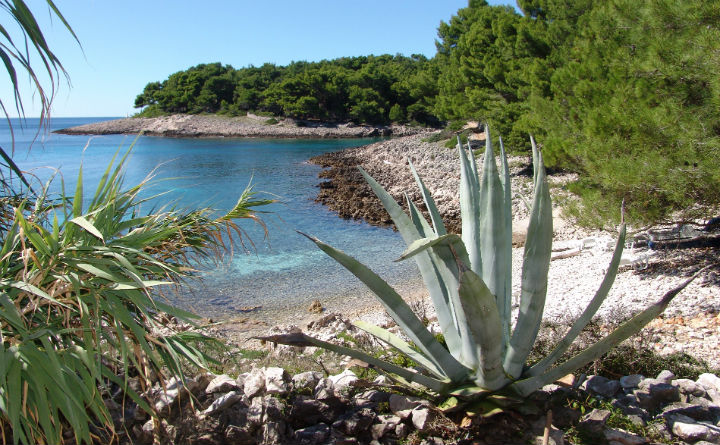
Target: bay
x: 283, y: 272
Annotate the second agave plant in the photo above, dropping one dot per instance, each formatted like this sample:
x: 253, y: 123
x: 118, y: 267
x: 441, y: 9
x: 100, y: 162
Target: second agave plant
x: 468, y: 278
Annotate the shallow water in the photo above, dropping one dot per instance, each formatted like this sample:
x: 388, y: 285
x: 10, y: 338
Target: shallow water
x: 283, y: 272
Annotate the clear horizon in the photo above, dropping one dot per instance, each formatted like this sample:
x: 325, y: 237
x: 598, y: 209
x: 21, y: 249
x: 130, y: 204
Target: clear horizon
x: 126, y: 45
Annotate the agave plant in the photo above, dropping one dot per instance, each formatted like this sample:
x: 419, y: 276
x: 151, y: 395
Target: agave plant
x: 79, y: 308
x: 468, y: 278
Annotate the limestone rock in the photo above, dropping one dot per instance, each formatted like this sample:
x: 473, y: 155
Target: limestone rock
x: 306, y: 412
x: 254, y: 383
x: 341, y: 382
x: 271, y: 433
x: 274, y: 409
x: 624, y: 437
x: 239, y: 436
x: 601, y: 385
x: 631, y: 381
x: 695, y: 411
x: 689, y: 387
x: 402, y: 406
x: 387, y: 423
x: 223, y: 402
x: 316, y: 434
x: 324, y: 389
x: 222, y: 383
x: 275, y: 381
x: 306, y: 380
x: 594, y: 421
x: 256, y: 411
x: 422, y: 417
x: 692, y: 432
x: 666, y: 376
x: 709, y: 381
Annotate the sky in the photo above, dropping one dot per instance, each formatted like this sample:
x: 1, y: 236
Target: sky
x: 126, y: 44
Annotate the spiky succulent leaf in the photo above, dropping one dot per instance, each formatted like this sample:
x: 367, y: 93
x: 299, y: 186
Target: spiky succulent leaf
x: 505, y: 301
x: 437, y: 221
x: 402, y: 346
x: 399, y: 311
x: 479, y: 305
x: 494, y: 227
x: 536, y: 263
x: 438, y: 289
x: 587, y: 314
x: 300, y: 339
x: 469, y: 208
x: 621, y: 333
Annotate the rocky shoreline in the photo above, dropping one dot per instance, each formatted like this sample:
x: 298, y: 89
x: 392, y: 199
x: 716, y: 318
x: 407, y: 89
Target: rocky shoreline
x: 187, y: 125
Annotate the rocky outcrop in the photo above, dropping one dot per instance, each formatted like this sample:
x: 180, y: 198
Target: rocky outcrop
x: 186, y: 125
x: 269, y: 406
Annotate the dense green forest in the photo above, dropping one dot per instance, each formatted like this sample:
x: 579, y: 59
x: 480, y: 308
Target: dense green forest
x: 372, y: 89
x: 624, y: 92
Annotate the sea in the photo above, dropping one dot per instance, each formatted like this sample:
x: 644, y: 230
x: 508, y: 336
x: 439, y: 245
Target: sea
x: 282, y: 271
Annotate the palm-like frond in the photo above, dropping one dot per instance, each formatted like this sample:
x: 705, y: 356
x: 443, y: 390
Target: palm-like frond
x: 78, y: 304
x: 22, y: 45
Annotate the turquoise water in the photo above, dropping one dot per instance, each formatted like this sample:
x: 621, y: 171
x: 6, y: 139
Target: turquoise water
x: 284, y: 271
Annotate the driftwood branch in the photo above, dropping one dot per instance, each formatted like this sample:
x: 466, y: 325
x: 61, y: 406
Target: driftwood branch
x: 681, y: 243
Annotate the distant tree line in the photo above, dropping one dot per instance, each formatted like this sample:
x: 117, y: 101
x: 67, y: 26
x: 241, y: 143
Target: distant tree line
x: 624, y: 92
x: 372, y: 89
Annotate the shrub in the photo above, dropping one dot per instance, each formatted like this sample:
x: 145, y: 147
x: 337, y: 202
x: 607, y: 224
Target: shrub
x: 78, y: 306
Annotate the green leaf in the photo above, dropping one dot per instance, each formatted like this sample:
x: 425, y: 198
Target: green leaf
x: 401, y: 345
x: 300, y: 339
x: 423, y: 244
x: 87, y: 225
x: 536, y: 263
x: 485, y: 325
x: 587, y: 314
x: 621, y: 333
x: 435, y: 283
x: 429, y: 203
x: 400, y: 312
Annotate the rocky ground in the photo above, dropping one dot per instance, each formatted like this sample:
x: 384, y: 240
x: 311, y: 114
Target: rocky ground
x: 277, y: 400
x: 186, y: 125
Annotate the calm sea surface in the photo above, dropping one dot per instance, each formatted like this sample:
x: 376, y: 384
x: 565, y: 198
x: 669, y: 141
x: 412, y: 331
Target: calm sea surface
x: 283, y: 272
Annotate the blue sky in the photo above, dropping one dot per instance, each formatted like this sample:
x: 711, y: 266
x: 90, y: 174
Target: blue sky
x: 126, y: 44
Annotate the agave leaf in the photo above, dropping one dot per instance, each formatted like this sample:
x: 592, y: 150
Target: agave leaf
x: 469, y: 210
x: 423, y: 244
x: 484, y: 408
x: 587, y: 314
x: 448, y: 261
x: 438, y: 288
x: 622, y: 333
x: 437, y: 221
x: 505, y: 301
x: 494, y: 250
x: 421, y: 224
x: 479, y: 305
x: 401, y: 345
x: 300, y: 339
x: 399, y: 311
x: 536, y: 263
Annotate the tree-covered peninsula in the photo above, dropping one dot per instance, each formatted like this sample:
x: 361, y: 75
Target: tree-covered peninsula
x: 624, y: 93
